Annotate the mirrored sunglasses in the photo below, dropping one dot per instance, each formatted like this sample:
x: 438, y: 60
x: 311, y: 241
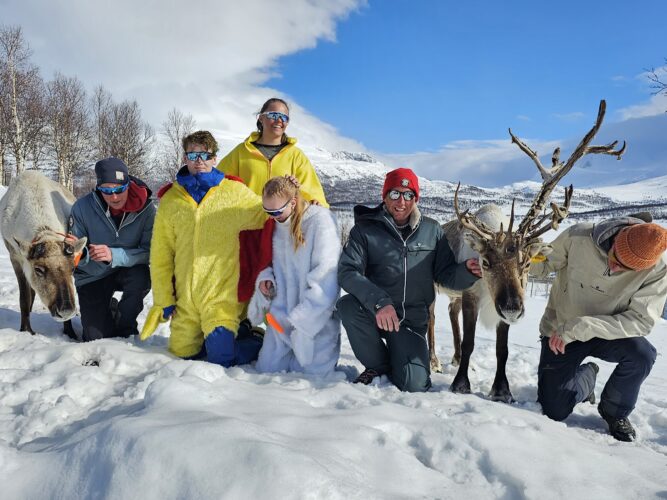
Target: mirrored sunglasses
x: 195, y: 155
x: 407, y: 195
x: 113, y: 190
x: 277, y: 212
x: 276, y: 115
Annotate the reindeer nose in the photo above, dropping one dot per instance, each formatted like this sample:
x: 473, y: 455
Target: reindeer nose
x: 510, y: 308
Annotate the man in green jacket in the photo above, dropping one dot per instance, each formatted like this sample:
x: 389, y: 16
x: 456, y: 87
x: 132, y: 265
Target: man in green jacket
x: 388, y: 266
x: 610, y: 287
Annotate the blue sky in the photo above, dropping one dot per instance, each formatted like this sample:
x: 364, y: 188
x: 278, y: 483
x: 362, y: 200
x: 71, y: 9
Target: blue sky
x: 405, y: 76
x: 432, y: 85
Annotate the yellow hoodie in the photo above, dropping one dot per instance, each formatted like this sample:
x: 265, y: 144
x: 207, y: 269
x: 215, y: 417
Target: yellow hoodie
x: 194, y: 261
x: 248, y: 163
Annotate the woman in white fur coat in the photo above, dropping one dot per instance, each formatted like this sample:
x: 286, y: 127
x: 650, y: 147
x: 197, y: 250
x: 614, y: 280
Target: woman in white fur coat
x: 301, y: 288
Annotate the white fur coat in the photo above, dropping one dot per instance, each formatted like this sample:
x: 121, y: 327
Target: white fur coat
x: 306, y: 290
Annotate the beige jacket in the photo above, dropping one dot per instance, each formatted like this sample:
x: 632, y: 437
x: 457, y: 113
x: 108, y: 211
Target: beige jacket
x: 586, y: 300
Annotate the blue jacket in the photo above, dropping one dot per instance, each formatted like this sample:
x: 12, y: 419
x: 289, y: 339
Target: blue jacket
x: 130, y: 243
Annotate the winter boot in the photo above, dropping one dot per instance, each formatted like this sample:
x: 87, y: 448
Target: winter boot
x: 113, y: 308
x: 619, y: 428
x: 591, y: 397
x: 366, y: 376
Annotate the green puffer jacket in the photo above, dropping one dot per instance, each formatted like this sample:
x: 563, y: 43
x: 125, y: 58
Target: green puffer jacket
x: 379, y: 267
x: 588, y: 301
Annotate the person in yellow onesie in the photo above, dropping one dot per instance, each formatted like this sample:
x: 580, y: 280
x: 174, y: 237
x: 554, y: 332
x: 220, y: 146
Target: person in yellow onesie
x: 195, y: 259
x: 269, y: 152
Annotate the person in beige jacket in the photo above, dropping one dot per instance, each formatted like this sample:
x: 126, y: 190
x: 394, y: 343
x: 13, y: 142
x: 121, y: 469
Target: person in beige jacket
x: 609, y: 290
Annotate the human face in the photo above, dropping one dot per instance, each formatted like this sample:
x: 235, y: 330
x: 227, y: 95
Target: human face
x: 198, y: 166
x: 273, y: 130
x: 116, y: 200
x: 279, y: 207
x: 400, y: 209
x: 614, y: 263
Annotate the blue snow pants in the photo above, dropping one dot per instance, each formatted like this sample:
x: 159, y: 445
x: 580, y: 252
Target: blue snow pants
x: 562, y: 381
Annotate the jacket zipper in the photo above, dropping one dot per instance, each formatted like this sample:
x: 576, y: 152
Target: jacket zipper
x: 107, y: 214
x: 256, y: 152
x: 405, y: 262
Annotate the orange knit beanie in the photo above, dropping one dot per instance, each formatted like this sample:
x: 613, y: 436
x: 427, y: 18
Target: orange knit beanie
x: 640, y: 246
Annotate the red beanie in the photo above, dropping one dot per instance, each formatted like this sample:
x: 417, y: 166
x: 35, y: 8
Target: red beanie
x: 401, y: 177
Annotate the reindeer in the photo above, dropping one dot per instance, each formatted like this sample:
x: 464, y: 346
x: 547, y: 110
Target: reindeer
x: 505, y: 256
x: 33, y: 220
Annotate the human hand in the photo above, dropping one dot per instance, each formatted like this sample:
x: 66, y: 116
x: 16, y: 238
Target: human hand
x: 294, y: 180
x: 472, y: 265
x: 557, y: 344
x: 99, y: 253
x: 387, y: 319
x: 267, y: 289
x: 315, y: 202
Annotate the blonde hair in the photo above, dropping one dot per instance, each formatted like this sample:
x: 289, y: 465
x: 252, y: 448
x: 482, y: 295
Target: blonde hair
x: 284, y: 186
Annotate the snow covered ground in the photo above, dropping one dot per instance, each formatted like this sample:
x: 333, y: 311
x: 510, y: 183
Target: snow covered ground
x: 122, y: 419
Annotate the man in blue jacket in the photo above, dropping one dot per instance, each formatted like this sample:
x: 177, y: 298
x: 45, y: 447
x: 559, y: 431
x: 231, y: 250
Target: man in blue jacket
x: 117, y: 218
x: 388, y: 266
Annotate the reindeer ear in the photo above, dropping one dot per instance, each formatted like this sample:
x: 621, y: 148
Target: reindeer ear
x: 78, y: 245
x: 538, y: 248
x: 23, y: 246
x: 474, y: 241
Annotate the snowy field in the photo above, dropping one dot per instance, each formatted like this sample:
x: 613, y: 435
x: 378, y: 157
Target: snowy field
x: 124, y: 419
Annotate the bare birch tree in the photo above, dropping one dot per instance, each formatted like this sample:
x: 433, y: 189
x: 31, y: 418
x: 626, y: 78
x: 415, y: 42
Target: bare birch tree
x: 22, y: 100
x: 70, y: 133
x: 174, y: 128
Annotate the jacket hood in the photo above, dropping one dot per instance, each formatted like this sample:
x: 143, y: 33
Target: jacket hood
x: 604, y: 232
x: 139, y: 196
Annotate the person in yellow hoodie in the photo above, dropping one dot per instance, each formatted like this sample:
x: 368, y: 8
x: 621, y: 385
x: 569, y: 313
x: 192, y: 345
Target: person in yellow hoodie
x: 269, y: 152
x: 195, y: 259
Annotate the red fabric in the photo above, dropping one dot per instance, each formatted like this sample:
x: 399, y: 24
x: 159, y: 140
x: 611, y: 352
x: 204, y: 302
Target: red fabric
x: 136, y: 199
x: 401, y: 177
x: 255, y: 254
x: 234, y: 178
x: 164, y: 189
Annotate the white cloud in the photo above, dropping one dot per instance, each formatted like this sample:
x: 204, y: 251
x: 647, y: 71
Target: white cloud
x: 656, y: 105
x: 523, y: 118
x: 209, y: 58
x: 570, y: 117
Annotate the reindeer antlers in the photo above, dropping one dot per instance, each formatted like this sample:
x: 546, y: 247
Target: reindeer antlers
x: 551, y: 176
x: 471, y: 222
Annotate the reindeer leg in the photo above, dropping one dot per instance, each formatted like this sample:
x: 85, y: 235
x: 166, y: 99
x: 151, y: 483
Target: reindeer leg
x: 454, y: 310
x: 26, y: 297
x: 461, y: 383
x: 436, y: 367
x: 500, y: 390
x: 68, y: 330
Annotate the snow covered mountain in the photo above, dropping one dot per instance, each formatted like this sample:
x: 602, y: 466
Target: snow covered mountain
x: 356, y: 178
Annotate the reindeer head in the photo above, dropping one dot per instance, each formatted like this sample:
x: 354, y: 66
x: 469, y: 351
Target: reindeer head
x: 51, y: 263
x: 504, y: 254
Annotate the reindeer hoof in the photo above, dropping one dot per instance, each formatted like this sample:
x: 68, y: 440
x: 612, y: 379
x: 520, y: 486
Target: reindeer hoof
x: 436, y: 367
x: 68, y: 330
x: 460, y: 386
x: 504, y: 396
x: 456, y: 361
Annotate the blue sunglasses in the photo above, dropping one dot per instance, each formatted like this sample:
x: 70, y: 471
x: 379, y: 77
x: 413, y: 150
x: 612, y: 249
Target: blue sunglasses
x: 279, y: 211
x: 195, y: 155
x: 114, y: 190
x: 276, y: 115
